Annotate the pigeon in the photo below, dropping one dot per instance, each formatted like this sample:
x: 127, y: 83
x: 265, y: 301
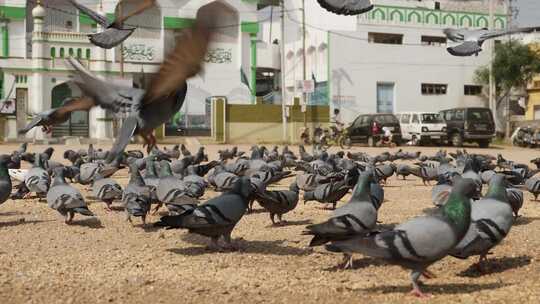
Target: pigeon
x: 137, y: 196
x: 471, y: 40
x: 491, y: 220
x: 147, y: 110
x: 114, y: 32
x: 441, y: 191
x: 332, y: 192
x: 357, y: 217
x: 217, y: 217
x: 533, y: 186
x: 278, y: 202
x: 173, y: 153
x: 37, y: 179
x: 171, y: 190
x: 403, y: 170
x: 5, y: 180
x: 515, y: 198
x: 57, y: 116
x: 419, y: 242
x: 66, y: 199
x: 106, y: 190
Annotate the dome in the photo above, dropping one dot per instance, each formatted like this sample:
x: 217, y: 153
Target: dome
x: 39, y: 11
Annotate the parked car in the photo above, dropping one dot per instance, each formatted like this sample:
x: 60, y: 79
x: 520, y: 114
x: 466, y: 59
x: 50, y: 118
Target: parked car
x: 367, y: 128
x: 422, y: 127
x: 469, y: 125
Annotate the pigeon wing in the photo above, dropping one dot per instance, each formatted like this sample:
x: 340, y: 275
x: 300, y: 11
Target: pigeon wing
x: 90, y: 13
x: 346, y: 7
x: 111, y: 37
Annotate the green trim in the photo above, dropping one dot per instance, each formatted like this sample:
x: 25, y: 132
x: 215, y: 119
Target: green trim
x: 250, y: 27
x: 84, y: 19
x: 177, y: 23
x: 5, y: 41
x: 430, y: 16
x: 13, y: 12
x: 399, y: 13
x: 253, y: 45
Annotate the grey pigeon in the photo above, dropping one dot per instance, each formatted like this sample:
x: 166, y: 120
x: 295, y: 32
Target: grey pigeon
x: 441, y: 191
x: 491, y: 220
x: 172, y: 191
x: 114, y: 33
x: 66, y: 199
x: 515, y: 198
x: 471, y: 40
x: 332, y: 192
x: 5, y: 180
x: 419, y: 242
x: 357, y: 217
x: 37, y: 179
x: 137, y: 196
x: 217, y: 217
x: 278, y: 202
x: 106, y: 190
x: 533, y: 186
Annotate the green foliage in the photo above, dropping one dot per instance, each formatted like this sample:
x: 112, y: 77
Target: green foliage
x: 514, y: 65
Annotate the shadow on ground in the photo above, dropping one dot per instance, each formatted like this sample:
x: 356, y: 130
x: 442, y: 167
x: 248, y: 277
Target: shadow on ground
x: 496, y: 265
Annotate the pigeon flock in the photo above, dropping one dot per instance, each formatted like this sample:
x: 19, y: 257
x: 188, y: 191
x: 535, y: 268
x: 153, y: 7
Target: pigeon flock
x: 467, y: 220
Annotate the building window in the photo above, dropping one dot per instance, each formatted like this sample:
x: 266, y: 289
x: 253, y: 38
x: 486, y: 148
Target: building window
x: 53, y: 52
x: 79, y: 53
x: 472, y: 90
x: 434, y: 89
x: 70, y: 52
x: 62, y: 52
x: 88, y: 54
x: 385, y: 38
x: 433, y: 40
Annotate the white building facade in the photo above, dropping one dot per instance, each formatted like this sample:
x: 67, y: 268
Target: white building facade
x: 391, y: 59
x: 36, y: 37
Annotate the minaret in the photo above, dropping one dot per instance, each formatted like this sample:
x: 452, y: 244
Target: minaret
x: 38, y: 99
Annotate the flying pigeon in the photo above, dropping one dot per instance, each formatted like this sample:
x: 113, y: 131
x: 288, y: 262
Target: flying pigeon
x: 147, y: 110
x: 217, y: 217
x: 114, y: 32
x: 5, y: 180
x: 491, y: 220
x: 357, y: 217
x: 419, y: 242
x: 471, y: 40
x: 66, y: 199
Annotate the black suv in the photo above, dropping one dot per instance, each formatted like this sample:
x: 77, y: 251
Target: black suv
x: 469, y: 125
x: 368, y: 128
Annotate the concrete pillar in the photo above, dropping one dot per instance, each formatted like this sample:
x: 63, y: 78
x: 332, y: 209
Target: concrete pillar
x: 36, y: 92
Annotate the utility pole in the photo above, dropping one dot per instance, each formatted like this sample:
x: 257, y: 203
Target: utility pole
x: 304, y: 52
x: 492, y: 102
x: 283, y: 100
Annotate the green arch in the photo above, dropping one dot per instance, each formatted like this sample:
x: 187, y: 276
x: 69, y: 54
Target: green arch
x: 53, y: 52
x: 418, y: 17
x: 87, y: 53
x: 62, y: 52
x: 379, y: 11
x: 79, y: 53
x: 482, y: 22
x: 499, y: 23
x: 446, y: 17
x: 430, y: 16
x: 396, y: 12
x: 70, y: 52
x: 462, y: 20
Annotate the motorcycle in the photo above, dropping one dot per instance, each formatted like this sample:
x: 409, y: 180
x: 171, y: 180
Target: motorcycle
x: 525, y: 137
x: 327, y: 137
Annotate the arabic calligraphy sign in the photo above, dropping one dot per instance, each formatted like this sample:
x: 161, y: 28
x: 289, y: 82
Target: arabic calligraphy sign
x: 138, y: 52
x: 219, y: 56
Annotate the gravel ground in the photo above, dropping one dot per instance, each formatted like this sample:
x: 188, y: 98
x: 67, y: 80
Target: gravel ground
x: 42, y: 260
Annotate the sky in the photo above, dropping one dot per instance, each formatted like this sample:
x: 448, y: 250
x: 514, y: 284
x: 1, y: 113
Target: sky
x: 529, y: 12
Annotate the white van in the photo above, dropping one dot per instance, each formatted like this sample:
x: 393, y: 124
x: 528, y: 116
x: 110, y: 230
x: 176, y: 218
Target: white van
x: 422, y: 127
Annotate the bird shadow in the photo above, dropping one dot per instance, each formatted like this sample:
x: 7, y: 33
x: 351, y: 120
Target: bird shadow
x: 256, y: 211
x: 11, y: 213
x: 449, y: 288
x: 290, y: 223
x: 496, y: 265
x: 358, y: 264
x: 276, y: 247
x: 21, y: 221
x: 91, y: 222
x: 524, y: 220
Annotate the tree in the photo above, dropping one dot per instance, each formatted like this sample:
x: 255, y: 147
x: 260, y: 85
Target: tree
x: 514, y: 66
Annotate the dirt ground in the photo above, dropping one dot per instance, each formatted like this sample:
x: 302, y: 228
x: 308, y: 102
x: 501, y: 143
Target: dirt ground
x: 107, y: 260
